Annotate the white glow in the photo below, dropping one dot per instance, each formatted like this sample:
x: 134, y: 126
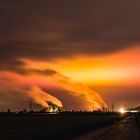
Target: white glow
x: 122, y: 110
x: 134, y: 111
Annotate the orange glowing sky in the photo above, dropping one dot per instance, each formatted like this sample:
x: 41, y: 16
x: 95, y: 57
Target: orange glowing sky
x: 85, y: 54
x: 120, y: 68
x: 117, y: 70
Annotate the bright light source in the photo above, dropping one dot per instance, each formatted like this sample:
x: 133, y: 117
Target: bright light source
x: 122, y: 110
x: 134, y: 111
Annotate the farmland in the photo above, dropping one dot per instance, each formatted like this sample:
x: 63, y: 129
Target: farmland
x: 53, y: 126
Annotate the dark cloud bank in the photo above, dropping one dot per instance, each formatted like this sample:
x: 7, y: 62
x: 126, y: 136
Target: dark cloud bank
x: 45, y: 29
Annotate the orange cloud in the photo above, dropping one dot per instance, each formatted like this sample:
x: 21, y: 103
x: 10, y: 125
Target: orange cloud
x: 121, y: 68
x: 41, y: 97
x: 52, y: 79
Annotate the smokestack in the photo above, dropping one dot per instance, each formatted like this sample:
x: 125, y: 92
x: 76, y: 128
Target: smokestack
x: 113, y: 107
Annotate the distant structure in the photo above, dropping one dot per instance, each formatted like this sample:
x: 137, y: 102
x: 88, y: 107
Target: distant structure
x: 9, y: 111
x: 134, y: 110
x: 30, y: 105
x: 113, y: 107
x: 53, y: 108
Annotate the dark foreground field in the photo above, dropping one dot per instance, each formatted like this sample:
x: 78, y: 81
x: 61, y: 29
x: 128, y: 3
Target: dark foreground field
x: 57, y: 126
x: 138, y: 119
x: 125, y: 129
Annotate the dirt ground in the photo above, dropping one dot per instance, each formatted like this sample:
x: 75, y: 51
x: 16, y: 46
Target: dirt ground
x: 123, y: 130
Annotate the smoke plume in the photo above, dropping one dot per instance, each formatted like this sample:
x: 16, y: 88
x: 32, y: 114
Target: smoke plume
x: 41, y: 97
x: 92, y: 99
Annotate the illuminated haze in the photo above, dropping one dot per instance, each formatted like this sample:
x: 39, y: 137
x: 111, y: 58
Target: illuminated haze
x: 84, y: 53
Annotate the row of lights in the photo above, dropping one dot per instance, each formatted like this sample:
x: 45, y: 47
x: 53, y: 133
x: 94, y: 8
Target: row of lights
x: 122, y: 110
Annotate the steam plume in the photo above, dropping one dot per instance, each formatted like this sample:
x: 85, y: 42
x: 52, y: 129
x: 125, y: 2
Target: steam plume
x: 93, y: 99
x: 41, y: 97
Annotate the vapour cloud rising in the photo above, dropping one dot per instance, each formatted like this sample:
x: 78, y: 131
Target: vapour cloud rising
x: 32, y: 83
x: 41, y: 97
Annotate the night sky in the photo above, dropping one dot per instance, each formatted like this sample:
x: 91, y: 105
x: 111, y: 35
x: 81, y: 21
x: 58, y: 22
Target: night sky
x: 68, y: 48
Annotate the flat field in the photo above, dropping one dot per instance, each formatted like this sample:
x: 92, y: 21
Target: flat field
x: 53, y: 126
x: 138, y: 119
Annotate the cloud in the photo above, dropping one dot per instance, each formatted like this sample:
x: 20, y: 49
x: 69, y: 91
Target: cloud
x: 51, y: 29
x: 41, y: 97
x: 47, y: 30
x: 37, y: 82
